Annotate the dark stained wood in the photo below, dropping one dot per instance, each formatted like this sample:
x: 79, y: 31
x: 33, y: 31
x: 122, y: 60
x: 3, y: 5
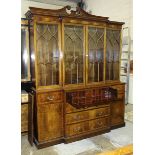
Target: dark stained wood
x: 44, y: 144
x: 30, y: 118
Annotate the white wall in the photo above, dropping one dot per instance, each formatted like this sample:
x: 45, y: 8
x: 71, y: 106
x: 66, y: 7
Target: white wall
x: 116, y: 10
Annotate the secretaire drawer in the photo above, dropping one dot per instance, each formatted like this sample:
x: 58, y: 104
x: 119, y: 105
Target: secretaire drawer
x: 50, y: 97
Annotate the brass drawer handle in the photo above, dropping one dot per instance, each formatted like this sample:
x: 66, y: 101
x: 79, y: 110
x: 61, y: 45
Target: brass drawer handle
x: 50, y: 98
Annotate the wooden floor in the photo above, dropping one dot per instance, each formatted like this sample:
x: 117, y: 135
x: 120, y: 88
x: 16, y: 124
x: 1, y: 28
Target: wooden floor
x: 126, y: 150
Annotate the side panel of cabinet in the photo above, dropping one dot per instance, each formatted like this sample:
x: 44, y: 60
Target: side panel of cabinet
x: 117, y: 113
x: 50, y: 121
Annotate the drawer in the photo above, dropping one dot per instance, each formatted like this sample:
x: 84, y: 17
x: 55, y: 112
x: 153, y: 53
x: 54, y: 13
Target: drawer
x: 117, y: 112
x: 87, y: 115
x: 102, y: 123
x: 75, y: 129
x: 77, y: 117
x: 50, y: 97
x: 101, y: 112
x: 87, y: 126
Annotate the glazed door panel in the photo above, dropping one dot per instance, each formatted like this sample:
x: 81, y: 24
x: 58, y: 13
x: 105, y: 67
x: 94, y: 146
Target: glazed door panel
x: 95, y: 45
x: 48, y: 54
x: 74, y: 54
x: 25, y: 59
x: 112, y: 54
x: 50, y: 121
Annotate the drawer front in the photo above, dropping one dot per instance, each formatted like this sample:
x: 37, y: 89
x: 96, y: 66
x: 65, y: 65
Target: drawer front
x: 88, y: 126
x: 50, y: 97
x: 101, y: 123
x: 117, y: 112
x: 50, y: 121
x: 76, y: 129
x: 76, y: 117
x: 87, y: 115
x: 101, y: 112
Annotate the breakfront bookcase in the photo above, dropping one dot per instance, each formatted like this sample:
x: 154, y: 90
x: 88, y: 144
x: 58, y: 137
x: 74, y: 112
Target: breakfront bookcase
x: 75, y: 66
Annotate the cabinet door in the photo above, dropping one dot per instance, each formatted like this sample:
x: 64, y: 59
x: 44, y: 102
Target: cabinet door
x: 25, y: 59
x: 112, y: 54
x: 117, y: 113
x: 50, y: 121
x: 95, y: 39
x: 74, y: 54
x: 48, y: 54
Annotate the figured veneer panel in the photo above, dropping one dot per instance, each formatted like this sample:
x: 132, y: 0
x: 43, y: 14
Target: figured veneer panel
x: 117, y: 112
x: 49, y: 121
x: 87, y: 115
x: 84, y: 127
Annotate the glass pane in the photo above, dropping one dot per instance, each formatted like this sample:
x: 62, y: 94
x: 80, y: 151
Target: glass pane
x: 95, y: 54
x: 112, y: 54
x: 48, y: 54
x: 32, y: 55
x: 73, y: 54
x: 24, y: 54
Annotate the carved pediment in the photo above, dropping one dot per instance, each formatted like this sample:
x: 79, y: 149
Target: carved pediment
x: 64, y: 12
x: 67, y: 12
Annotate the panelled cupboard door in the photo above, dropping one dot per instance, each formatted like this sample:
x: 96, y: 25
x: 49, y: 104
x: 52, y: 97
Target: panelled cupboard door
x: 95, y: 53
x: 74, y: 55
x: 50, y: 121
x: 112, y: 54
x: 117, y: 112
x: 48, y: 68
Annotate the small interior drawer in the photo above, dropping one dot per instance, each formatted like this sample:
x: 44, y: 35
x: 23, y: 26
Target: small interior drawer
x: 50, y: 97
